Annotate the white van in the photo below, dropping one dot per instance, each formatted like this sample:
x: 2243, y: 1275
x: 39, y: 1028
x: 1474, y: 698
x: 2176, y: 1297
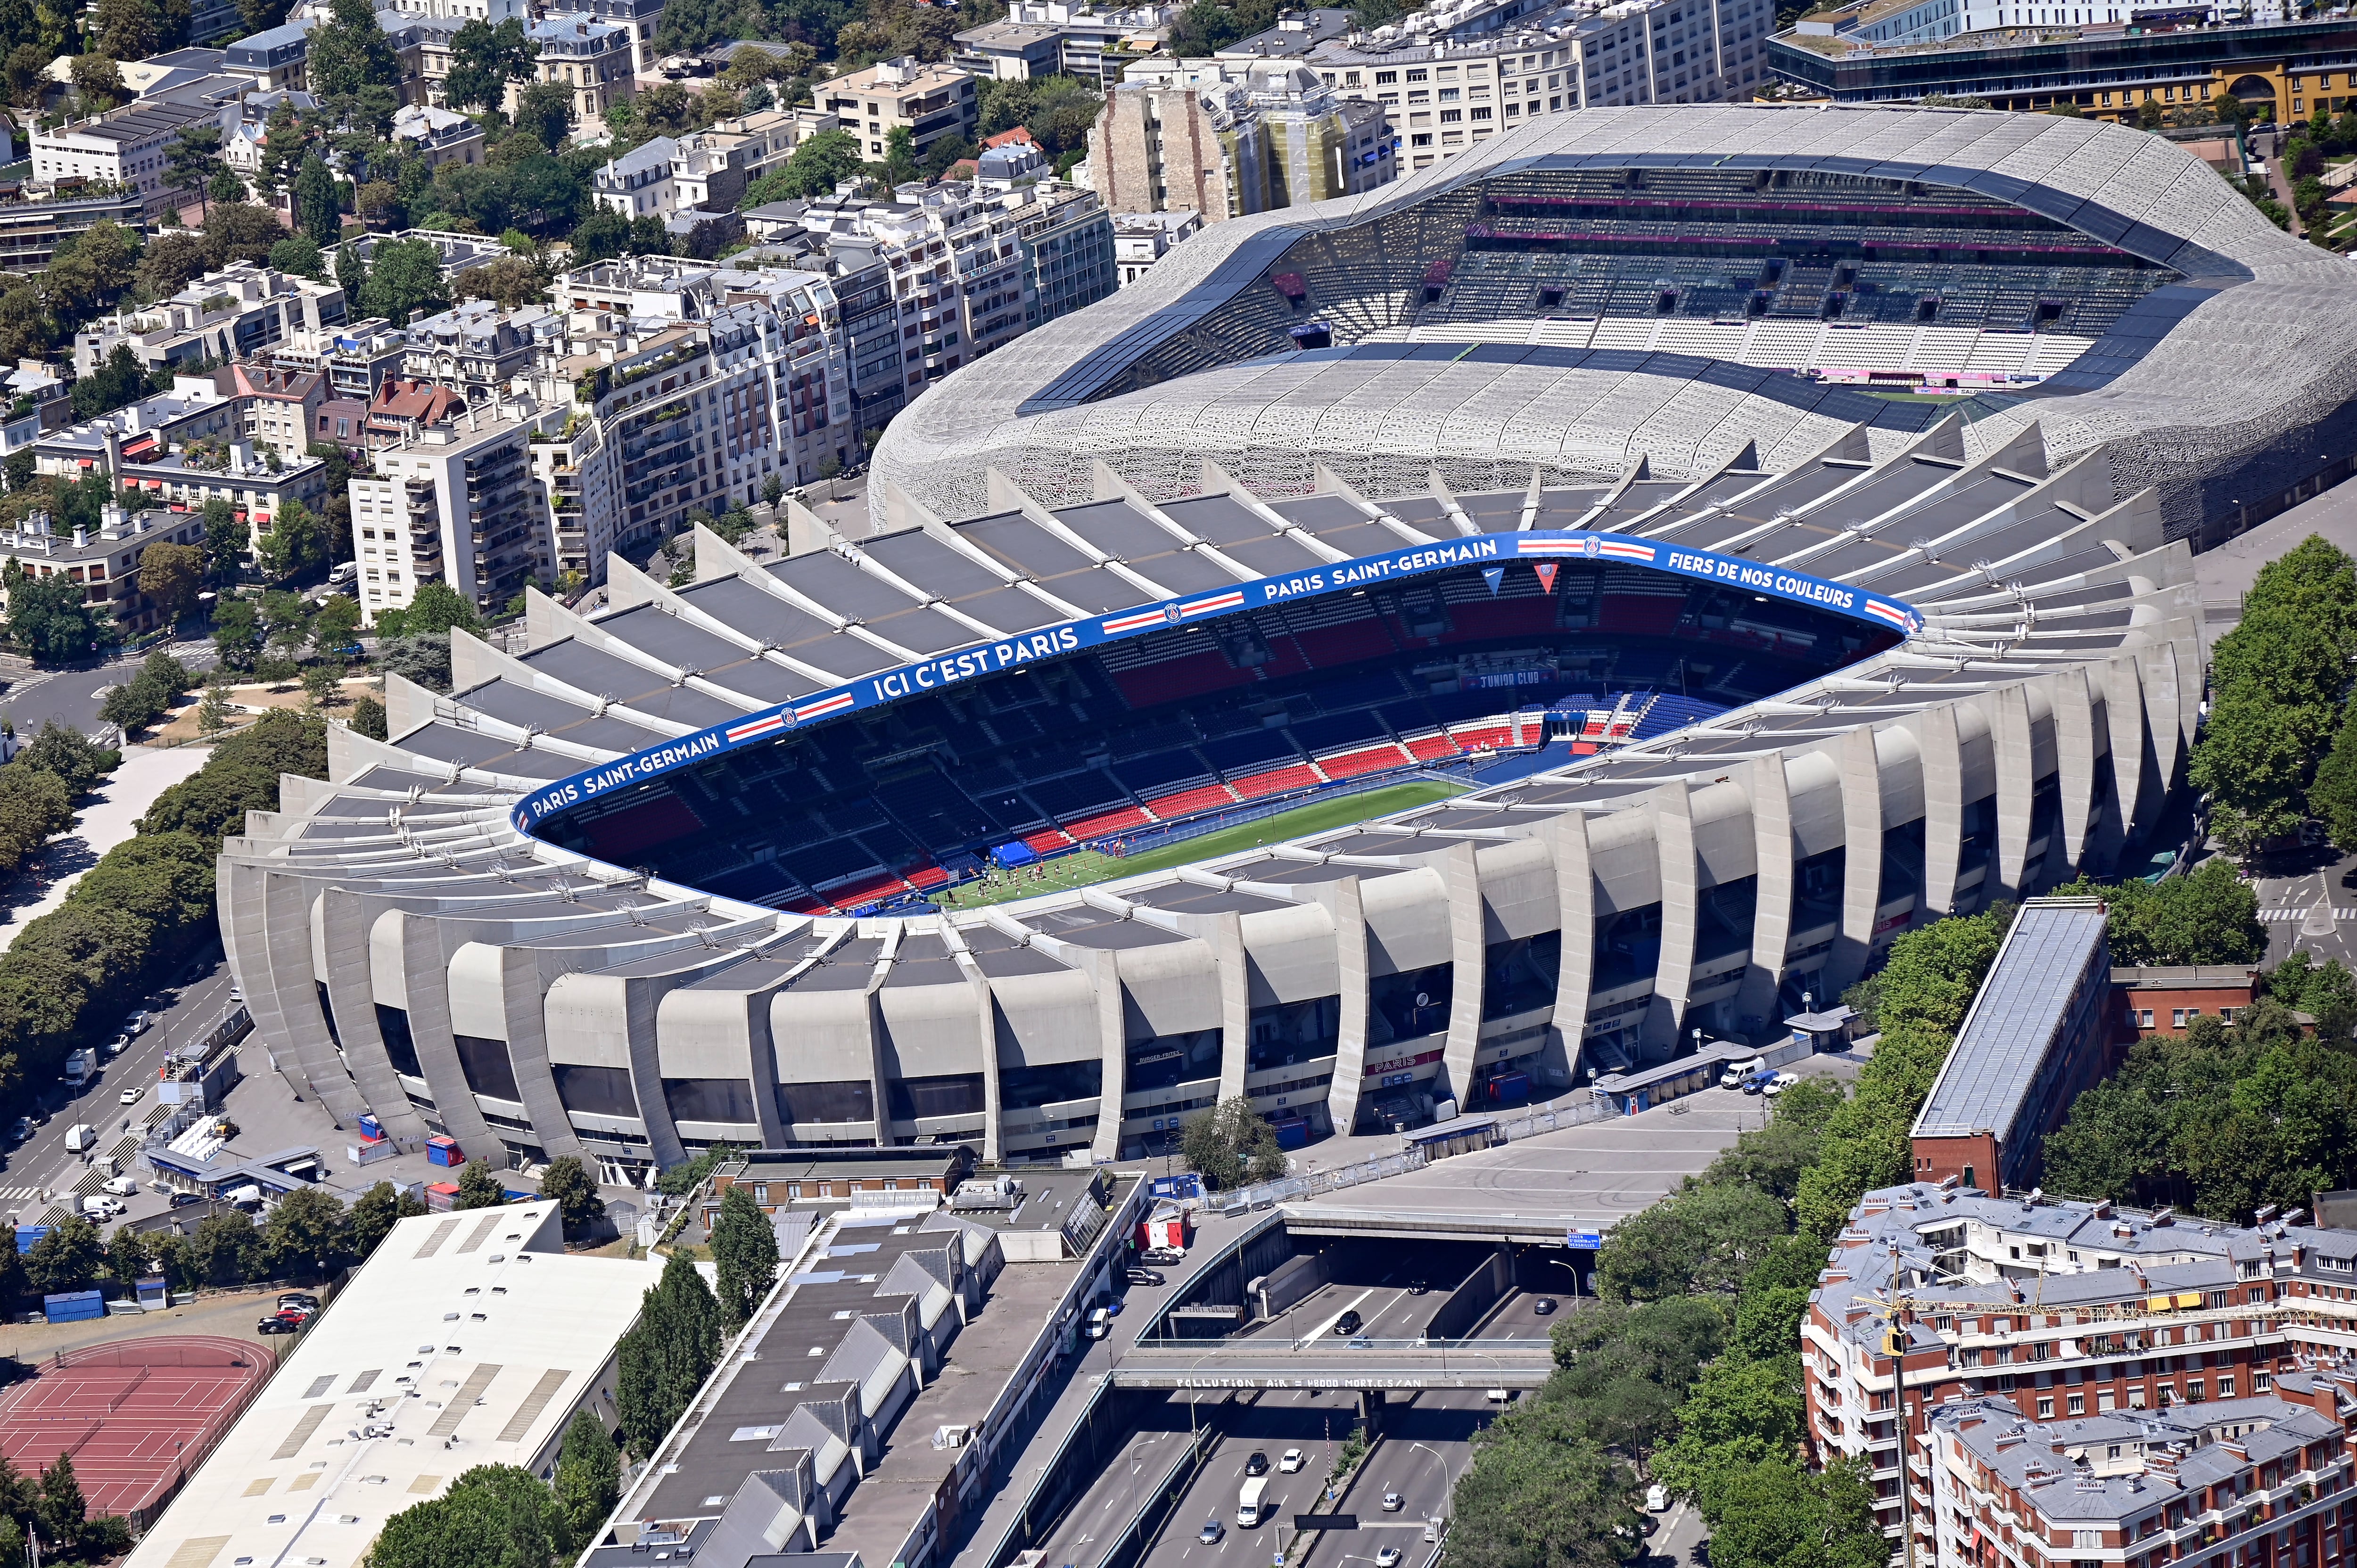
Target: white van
x: 1252, y: 1503
x: 1737, y: 1071
x: 81, y: 1137
x: 1100, y: 1322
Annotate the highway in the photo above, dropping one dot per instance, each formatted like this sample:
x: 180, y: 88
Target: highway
x: 1425, y: 1447
x: 1267, y: 1423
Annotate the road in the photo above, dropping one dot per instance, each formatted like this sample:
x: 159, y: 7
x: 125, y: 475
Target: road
x: 1423, y: 1447
x: 72, y: 696
x: 182, y: 1014
x: 1267, y: 1423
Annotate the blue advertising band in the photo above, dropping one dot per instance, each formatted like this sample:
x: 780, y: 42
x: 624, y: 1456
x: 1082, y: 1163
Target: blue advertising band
x: 1070, y: 637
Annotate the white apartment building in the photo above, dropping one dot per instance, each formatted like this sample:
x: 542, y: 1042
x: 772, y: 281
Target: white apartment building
x: 639, y: 184
x: 455, y: 503
x: 1443, y: 95
x: 930, y: 101
x: 1142, y: 239
x: 130, y: 148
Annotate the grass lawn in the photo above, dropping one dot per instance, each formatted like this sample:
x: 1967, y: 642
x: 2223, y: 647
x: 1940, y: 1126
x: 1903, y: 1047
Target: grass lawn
x: 1086, y: 866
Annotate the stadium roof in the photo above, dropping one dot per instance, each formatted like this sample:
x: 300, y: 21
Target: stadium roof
x: 2187, y: 392
x: 466, y: 1339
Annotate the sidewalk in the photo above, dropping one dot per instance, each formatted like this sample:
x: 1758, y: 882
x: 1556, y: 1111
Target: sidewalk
x: 108, y: 818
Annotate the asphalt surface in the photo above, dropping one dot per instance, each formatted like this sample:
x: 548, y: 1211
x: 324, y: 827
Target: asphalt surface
x: 72, y: 696
x: 182, y: 1014
x: 1423, y: 1448
x: 1316, y: 1423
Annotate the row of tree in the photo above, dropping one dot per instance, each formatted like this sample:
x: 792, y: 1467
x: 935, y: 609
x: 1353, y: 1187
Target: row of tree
x: 2278, y: 704
x: 40, y: 790
x: 504, y: 1515
x: 2221, y: 1119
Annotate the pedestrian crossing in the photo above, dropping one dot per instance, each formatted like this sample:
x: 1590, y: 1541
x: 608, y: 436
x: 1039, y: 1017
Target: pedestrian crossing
x: 18, y: 1194
x: 2279, y: 915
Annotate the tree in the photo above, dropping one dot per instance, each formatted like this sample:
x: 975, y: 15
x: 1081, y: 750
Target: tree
x: 512, y: 282
x: 494, y: 1515
x: 437, y: 609
x: 2210, y: 916
x: 68, y: 1259
x: 49, y: 617
x: 351, y: 273
x: 127, y: 29
x: 348, y: 52
x: 483, y: 59
x: 745, y: 1256
x: 666, y: 1356
x: 900, y: 165
x: 171, y: 576
x: 602, y: 235
x: 424, y: 660
x: 566, y: 1179
x: 477, y: 1187
x: 1231, y: 1145
x: 545, y: 111
x: 316, y: 211
x: 1539, y: 1495
x: 98, y: 83
x: 368, y: 718
x: 118, y: 380
x: 34, y: 807
x: 238, y: 230
x: 309, y: 1233
x: 376, y: 1211
x: 62, y: 1511
x: 338, y: 622
x: 816, y: 167
x: 212, y: 708
x: 588, y: 1474
x: 127, y: 1259
x: 1773, y: 1514
x: 1704, y: 1238
x: 224, y: 1247
x: 404, y: 276
x: 296, y: 542
x: 1739, y: 1412
x: 193, y: 161
x: 227, y: 538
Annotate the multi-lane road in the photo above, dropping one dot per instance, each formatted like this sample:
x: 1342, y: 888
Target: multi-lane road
x: 182, y: 1014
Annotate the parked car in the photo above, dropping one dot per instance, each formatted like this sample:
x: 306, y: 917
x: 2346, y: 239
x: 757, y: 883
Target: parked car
x: 122, y: 1186
x: 301, y: 1298
x: 281, y: 1323
x: 21, y: 1131
x: 1657, y: 1499
x: 182, y: 1200
x: 1167, y: 1257
x: 1737, y: 1071
x: 1758, y: 1082
x: 1779, y: 1083
x: 1256, y: 1464
x: 136, y: 1024
x: 1100, y: 1322
x: 1145, y: 1278
x: 1291, y: 1460
x: 1349, y: 1323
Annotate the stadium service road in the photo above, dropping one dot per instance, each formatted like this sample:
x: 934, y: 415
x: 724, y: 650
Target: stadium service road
x: 1599, y: 1172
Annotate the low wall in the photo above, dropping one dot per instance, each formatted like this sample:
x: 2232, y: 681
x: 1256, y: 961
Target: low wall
x: 1470, y: 1302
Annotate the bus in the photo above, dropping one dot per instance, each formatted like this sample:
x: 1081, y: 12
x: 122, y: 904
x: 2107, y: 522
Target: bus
x: 1252, y: 1504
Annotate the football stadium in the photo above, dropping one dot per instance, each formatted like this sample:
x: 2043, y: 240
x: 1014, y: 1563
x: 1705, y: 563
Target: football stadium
x: 1404, y: 656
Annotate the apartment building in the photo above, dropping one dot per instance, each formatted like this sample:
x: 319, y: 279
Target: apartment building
x: 105, y: 563
x: 1055, y: 37
x: 184, y: 478
x: 1142, y: 239
x: 592, y: 58
x: 438, y: 135
x: 244, y: 311
x: 277, y: 404
x: 276, y: 60
x: 706, y: 384
x: 2255, y: 1480
x: 1444, y: 91
x: 639, y: 183
x: 476, y: 347
x: 1936, y: 1295
x: 491, y: 11
x: 194, y: 410
x: 636, y: 18
x: 454, y: 503
x: 1226, y: 138
x: 129, y: 147
x: 1068, y: 252
x: 930, y: 101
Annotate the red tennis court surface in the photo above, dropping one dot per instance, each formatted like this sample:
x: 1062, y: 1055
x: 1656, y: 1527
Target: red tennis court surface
x: 136, y: 1416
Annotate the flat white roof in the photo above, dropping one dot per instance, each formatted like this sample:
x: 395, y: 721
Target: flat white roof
x: 466, y: 1339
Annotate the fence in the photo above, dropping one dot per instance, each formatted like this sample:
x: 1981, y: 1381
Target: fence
x: 1293, y: 1190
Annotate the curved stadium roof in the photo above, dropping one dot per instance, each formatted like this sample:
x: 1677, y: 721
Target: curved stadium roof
x: 2222, y: 386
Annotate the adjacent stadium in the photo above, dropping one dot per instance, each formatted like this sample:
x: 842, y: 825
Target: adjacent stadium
x: 1406, y: 655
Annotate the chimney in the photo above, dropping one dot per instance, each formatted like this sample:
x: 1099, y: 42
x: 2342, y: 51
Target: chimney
x: 82, y: 537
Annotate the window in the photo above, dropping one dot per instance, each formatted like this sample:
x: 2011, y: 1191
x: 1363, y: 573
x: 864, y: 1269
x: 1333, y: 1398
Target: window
x: 850, y: 1100
x: 487, y: 1067
x: 2046, y: 1409
x: 392, y: 1024
x: 709, y: 1099
x: 596, y: 1090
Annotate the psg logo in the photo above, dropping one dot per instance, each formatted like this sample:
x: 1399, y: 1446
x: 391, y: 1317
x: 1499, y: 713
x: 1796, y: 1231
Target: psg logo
x: 1593, y: 548
x: 1170, y: 614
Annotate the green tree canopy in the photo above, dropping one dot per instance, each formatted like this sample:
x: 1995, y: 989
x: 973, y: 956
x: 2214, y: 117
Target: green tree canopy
x: 745, y: 1256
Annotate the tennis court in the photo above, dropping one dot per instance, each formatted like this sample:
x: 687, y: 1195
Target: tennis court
x: 135, y: 1415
